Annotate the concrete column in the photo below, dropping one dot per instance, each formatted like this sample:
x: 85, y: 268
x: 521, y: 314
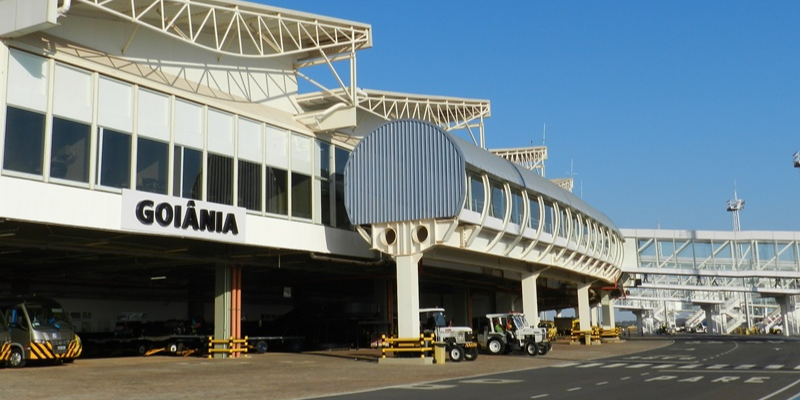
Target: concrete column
x: 584, y: 311
x: 530, y: 298
x: 408, y: 295
x: 711, y: 323
x: 639, y: 321
x: 222, y: 303
x: 785, y: 310
x: 607, y: 305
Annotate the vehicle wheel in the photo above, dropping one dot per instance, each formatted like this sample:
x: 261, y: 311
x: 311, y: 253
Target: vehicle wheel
x: 261, y: 347
x: 456, y: 353
x: 495, y: 346
x: 544, y: 348
x: 471, y: 354
x: 141, y: 350
x: 531, y: 348
x: 172, y: 347
x: 296, y: 346
x: 16, y: 360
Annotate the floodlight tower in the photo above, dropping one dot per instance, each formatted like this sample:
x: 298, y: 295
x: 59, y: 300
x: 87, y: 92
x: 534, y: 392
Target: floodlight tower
x: 734, y: 206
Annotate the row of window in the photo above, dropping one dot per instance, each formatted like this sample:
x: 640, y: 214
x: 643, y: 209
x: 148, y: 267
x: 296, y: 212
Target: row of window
x: 722, y: 250
x: 71, y: 126
x: 553, y: 217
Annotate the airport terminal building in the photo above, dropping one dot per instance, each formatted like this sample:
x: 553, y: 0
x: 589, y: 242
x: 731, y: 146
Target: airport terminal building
x: 158, y: 158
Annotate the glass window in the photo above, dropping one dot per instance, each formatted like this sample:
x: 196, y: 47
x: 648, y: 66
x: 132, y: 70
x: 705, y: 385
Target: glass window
x: 152, y: 170
x: 250, y: 141
x: 516, y: 206
x: 277, y: 145
x: 301, y: 196
x: 73, y: 93
x: 69, y: 158
x: 533, y: 218
x: 220, y: 179
x: 114, y: 159
x: 249, y: 185
x: 342, y: 219
x: 548, y: 217
x: 188, y: 170
x: 498, y: 209
x: 563, y: 223
x: 188, y: 124
x: 220, y: 132
x: 115, y: 105
x: 323, y: 159
x: 301, y: 154
x: 277, y: 185
x: 153, y: 115
x: 24, y: 143
x: 475, y: 198
x: 29, y: 74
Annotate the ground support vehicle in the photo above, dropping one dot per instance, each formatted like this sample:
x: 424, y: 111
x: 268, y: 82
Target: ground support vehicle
x: 459, y: 342
x: 506, y: 332
x: 39, y: 329
x: 262, y: 344
x: 5, y: 341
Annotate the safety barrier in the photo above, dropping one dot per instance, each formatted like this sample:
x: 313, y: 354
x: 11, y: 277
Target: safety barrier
x: 592, y: 335
x: 422, y: 345
x: 233, y: 346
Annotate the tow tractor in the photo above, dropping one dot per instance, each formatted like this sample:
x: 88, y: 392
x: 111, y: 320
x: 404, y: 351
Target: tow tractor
x: 459, y: 341
x: 507, y: 332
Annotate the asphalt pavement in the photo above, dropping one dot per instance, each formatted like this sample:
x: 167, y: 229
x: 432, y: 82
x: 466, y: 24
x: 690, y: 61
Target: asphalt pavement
x: 272, y: 376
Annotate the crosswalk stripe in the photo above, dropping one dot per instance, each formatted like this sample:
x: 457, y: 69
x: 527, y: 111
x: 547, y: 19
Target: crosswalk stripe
x: 797, y: 367
x: 774, y: 366
x: 590, y: 365
x: 663, y: 366
x: 690, y: 366
x: 613, y: 365
x: 572, y: 364
x: 638, y: 365
x: 745, y: 366
x: 717, y: 366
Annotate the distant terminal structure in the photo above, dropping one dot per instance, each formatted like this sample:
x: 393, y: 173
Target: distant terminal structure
x: 797, y: 159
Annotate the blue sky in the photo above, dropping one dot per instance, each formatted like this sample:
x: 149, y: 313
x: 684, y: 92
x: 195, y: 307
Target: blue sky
x: 660, y: 106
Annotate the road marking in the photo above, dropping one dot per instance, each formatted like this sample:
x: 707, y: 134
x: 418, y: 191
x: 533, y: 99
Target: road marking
x: 797, y: 367
x: 662, y: 366
x: 492, y: 381
x: 625, y: 378
x: 427, y: 387
x: 774, y: 366
x: 590, y: 365
x: 539, y: 396
x: 745, y: 366
x: 634, y: 366
x: 602, y: 383
x: 781, y: 390
x: 574, y: 389
x: 613, y: 365
x: 717, y: 366
x: 690, y: 366
x: 572, y: 364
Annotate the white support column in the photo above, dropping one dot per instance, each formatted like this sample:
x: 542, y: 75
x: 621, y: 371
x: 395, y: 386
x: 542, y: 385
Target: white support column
x: 786, y: 308
x: 607, y: 304
x: 584, y: 311
x: 408, y: 295
x: 530, y: 298
x: 711, y: 323
x: 639, y: 321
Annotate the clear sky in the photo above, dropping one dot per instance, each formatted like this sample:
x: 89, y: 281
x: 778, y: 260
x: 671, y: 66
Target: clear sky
x: 659, y: 106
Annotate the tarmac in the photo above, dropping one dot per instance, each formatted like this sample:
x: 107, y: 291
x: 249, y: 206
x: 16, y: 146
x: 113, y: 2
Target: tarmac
x: 272, y: 376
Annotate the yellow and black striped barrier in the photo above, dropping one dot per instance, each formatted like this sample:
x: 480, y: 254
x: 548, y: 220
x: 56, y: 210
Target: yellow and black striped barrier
x: 422, y: 345
x: 231, y: 346
x: 5, y: 351
x: 44, y: 351
x: 586, y: 337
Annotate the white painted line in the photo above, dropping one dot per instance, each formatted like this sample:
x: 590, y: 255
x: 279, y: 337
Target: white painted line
x: 747, y: 366
x: 574, y: 389
x: 663, y: 366
x: 625, y: 378
x: 491, y: 381
x: 617, y: 365
x: 590, y: 365
x: 426, y: 387
x: 717, y: 366
x: 774, y: 366
x: 572, y: 364
x: 797, y: 367
x: 539, y: 396
x: 638, y: 366
x: 690, y: 366
x: 602, y: 383
x: 781, y: 390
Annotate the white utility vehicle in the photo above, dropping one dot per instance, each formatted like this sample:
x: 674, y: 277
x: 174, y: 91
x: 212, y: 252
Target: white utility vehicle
x: 459, y: 341
x: 506, y: 332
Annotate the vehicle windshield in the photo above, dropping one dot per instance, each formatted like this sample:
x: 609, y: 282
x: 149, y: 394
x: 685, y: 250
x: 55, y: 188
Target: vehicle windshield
x: 439, y: 320
x: 519, y: 320
x: 47, y: 315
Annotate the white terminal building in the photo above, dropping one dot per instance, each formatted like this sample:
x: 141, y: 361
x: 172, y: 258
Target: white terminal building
x: 157, y: 158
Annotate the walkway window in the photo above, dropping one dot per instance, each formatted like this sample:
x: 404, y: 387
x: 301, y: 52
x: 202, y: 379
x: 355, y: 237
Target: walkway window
x: 533, y: 211
x: 24, y: 144
x: 549, y: 216
x: 114, y: 159
x: 324, y: 181
x: 251, y: 156
x: 73, y: 94
x: 25, y: 121
x: 475, y: 193
x: 563, y: 223
x: 498, y: 202
x: 277, y: 194
x: 249, y: 185
x: 301, y: 196
x: 302, y: 169
x: 516, y: 206
x: 340, y: 160
x: 152, y: 171
x: 188, y: 170
x: 220, y: 179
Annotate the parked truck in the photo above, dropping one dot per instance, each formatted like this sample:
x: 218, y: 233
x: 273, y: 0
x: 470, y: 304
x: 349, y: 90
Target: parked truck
x: 39, y: 329
x: 503, y: 333
x: 459, y: 341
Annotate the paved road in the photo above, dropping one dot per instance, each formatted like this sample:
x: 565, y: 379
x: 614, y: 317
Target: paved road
x: 693, y: 367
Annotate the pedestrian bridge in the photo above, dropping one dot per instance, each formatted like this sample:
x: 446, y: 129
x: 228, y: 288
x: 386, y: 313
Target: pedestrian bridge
x: 732, y: 279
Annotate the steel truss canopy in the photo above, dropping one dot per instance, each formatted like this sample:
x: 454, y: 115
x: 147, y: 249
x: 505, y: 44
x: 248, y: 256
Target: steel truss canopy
x: 449, y: 113
x: 235, y: 28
